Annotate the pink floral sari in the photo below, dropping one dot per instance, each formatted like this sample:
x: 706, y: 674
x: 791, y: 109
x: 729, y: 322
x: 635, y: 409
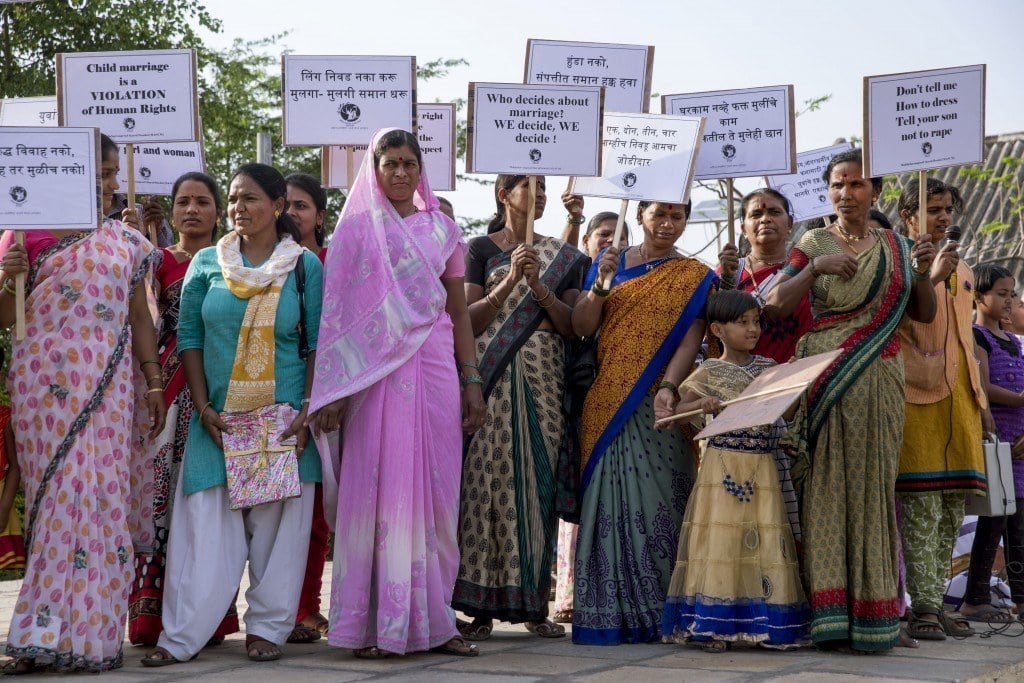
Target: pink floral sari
x: 386, y: 341
x: 73, y: 396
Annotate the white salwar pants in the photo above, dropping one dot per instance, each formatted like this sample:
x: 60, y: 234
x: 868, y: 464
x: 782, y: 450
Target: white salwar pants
x: 208, y: 547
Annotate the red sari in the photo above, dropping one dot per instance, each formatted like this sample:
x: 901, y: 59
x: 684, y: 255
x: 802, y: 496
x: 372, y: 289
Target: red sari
x: 161, y: 470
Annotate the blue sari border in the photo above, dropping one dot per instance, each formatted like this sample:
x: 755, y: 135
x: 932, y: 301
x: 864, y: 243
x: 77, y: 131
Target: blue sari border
x: 675, y: 337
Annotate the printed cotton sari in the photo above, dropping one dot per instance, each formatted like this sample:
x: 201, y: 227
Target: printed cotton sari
x: 849, y: 431
x: 73, y: 396
x: 636, y: 479
x: 507, y: 519
x: 158, y: 470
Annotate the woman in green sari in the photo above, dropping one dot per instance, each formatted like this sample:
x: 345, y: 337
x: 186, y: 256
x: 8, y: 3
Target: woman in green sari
x: 520, y: 301
x: 849, y: 429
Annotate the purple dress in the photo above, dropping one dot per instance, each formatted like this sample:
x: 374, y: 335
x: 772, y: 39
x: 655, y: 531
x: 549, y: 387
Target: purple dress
x: 1007, y: 371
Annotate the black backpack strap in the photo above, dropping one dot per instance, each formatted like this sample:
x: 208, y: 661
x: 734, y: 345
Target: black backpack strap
x: 300, y: 286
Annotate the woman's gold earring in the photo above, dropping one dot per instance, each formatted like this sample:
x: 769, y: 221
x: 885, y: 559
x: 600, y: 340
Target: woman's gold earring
x: 277, y: 214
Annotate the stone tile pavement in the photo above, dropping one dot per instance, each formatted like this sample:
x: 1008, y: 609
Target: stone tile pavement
x: 515, y: 656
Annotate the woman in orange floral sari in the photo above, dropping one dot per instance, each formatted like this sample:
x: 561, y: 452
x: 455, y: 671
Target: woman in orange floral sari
x: 635, y: 479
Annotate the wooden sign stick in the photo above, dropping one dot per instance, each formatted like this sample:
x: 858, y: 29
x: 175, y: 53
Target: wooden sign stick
x: 620, y: 225
x: 732, y: 210
x: 532, y: 211
x: 738, y: 399
x: 19, y: 295
x: 922, y: 207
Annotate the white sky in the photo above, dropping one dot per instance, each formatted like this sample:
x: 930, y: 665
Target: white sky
x: 820, y: 46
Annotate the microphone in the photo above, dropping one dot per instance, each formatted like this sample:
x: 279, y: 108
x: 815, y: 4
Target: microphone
x: 953, y: 233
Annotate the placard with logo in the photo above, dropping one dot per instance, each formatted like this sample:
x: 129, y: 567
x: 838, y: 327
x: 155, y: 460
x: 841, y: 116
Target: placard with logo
x: 534, y: 129
x: 132, y: 97
x: 344, y: 100
x: 49, y: 178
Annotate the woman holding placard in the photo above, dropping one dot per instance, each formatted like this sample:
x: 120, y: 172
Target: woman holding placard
x: 72, y: 394
x: 195, y: 212
x: 247, y: 342
x: 396, y: 344
x: 941, y: 460
x: 849, y: 429
x: 635, y: 479
x: 520, y: 299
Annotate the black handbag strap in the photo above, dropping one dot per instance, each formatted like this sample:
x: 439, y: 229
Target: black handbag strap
x: 300, y: 286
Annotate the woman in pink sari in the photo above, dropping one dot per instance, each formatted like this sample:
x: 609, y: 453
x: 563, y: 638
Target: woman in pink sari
x: 394, y: 325
x: 73, y: 398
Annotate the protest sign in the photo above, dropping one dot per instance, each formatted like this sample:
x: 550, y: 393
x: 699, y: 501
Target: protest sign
x: 645, y: 156
x: 138, y: 96
x: 49, y: 178
x: 334, y: 166
x: 343, y: 100
x: 806, y: 190
x: 158, y: 165
x: 534, y: 129
x: 924, y: 119
x: 748, y: 132
x: 623, y: 70
x: 28, y: 111
x: 436, y: 134
x: 766, y: 398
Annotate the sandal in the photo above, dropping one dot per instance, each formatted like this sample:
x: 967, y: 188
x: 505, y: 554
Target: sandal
x: 478, y: 630
x: 373, y: 652
x: 954, y: 624
x: 161, y: 657
x: 457, y: 646
x: 715, y: 646
x: 924, y: 629
x: 19, y: 667
x: 562, y: 616
x: 253, y: 645
x: 987, y: 614
x: 214, y: 642
x: 545, y: 629
x: 303, y: 634
x: 320, y: 623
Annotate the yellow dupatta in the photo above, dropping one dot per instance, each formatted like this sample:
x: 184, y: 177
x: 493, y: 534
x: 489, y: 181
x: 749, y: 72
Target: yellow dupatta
x: 252, y: 374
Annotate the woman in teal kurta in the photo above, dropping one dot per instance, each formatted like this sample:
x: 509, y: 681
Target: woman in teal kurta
x: 237, y: 299
x: 209, y: 320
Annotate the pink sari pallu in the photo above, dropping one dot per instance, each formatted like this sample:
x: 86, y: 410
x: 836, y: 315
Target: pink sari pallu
x: 261, y: 467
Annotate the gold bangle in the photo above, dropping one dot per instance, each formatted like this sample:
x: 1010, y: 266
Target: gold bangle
x: 9, y: 287
x: 203, y: 411
x: 155, y: 390
x: 149, y: 362
x: 491, y: 302
x: 150, y: 378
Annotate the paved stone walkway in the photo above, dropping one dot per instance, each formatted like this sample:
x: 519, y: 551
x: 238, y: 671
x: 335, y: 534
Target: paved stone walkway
x: 515, y: 656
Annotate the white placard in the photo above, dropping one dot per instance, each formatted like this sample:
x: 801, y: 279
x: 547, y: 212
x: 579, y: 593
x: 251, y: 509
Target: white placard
x: 646, y: 156
x: 28, y: 111
x: 344, y: 100
x: 924, y: 119
x: 158, y: 165
x: 534, y: 129
x: 49, y: 178
x: 623, y: 70
x: 139, y: 96
x: 806, y: 190
x: 749, y: 132
x: 436, y: 134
